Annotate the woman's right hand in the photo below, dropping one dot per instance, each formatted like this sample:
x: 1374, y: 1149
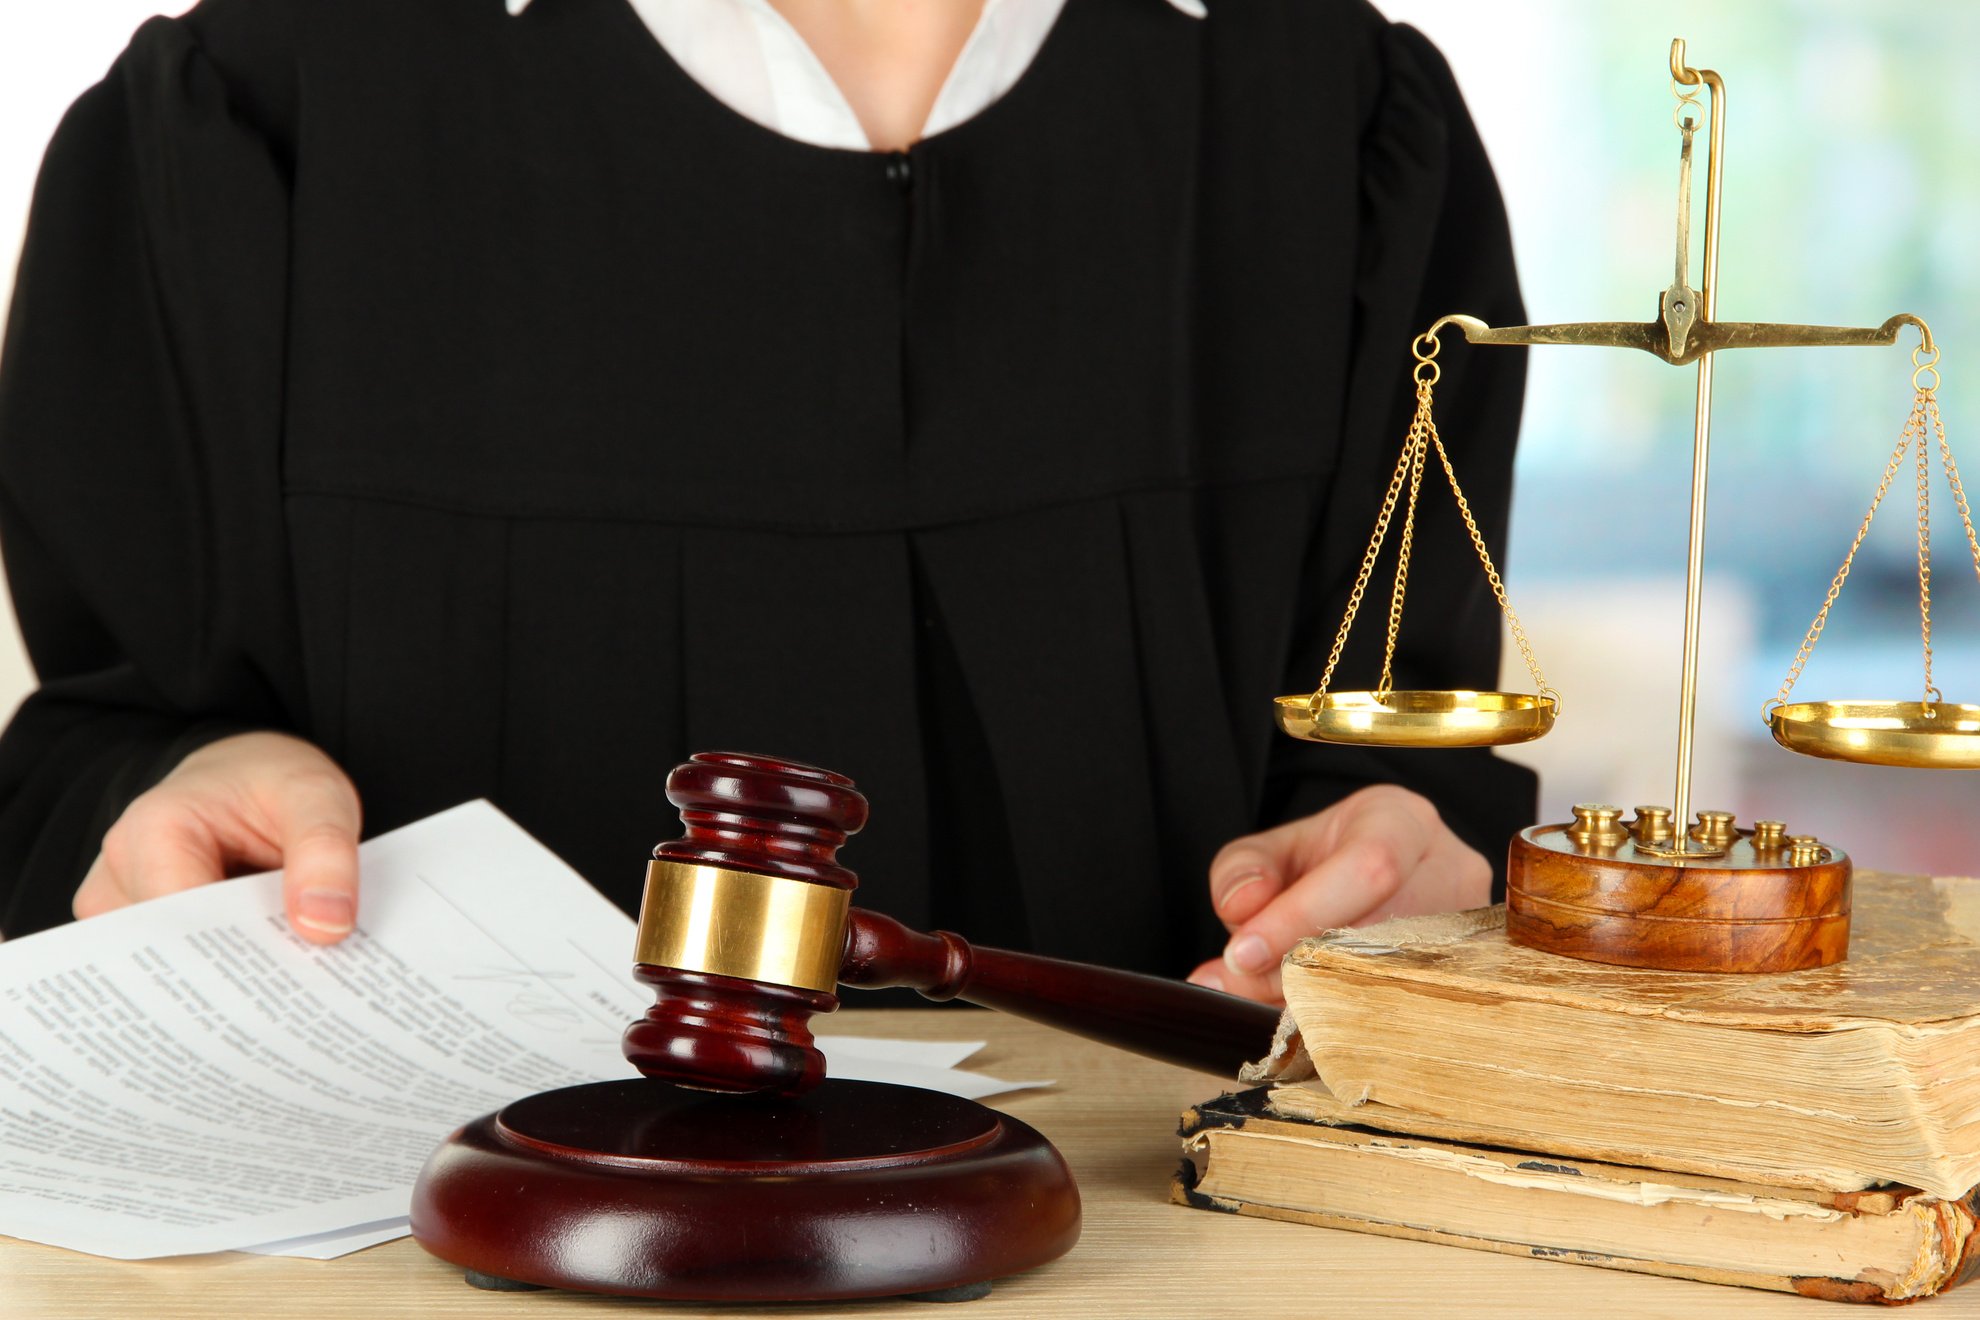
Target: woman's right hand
x: 251, y: 802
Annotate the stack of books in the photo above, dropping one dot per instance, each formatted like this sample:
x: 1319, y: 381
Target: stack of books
x: 1814, y: 1132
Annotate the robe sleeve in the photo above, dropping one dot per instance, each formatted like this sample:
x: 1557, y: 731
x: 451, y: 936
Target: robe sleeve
x: 1434, y: 240
x: 140, y: 415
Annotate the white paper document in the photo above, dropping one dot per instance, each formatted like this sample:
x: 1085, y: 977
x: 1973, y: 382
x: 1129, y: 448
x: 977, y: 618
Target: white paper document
x: 186, y: 1075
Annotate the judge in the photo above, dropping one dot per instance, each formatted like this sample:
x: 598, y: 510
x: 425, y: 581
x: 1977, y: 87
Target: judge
x: 410, y: 402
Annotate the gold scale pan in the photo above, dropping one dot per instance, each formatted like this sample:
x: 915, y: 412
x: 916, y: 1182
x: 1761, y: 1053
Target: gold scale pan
x: 1931, y: 732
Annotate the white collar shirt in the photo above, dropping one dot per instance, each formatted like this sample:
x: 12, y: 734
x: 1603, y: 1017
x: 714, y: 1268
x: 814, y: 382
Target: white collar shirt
x: 748, y: 56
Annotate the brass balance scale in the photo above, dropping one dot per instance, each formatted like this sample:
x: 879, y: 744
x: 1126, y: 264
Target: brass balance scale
x: 1660, y: 890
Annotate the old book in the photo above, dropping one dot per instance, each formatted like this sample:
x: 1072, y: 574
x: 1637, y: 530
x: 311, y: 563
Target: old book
x: 1881, y: 1246
x: 1839, y: 1079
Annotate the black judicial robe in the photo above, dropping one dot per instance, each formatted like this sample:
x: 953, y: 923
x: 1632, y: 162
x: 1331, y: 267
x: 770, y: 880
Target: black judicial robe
x: 480, y: 398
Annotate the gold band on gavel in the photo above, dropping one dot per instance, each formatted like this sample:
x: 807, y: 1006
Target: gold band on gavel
x: 737, y: 923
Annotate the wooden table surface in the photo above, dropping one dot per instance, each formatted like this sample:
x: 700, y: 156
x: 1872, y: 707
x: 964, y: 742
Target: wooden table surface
x: 1114, y: 1117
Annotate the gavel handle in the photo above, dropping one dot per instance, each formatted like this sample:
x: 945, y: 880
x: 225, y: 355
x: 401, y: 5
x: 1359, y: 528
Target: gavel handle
x: 1168, y: 1020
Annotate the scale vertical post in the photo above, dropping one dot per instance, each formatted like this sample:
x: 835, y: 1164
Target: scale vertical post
x: 1694, y: 576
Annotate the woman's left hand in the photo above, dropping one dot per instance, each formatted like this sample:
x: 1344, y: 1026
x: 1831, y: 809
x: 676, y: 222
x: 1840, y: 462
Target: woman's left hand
x: 1379, y: 853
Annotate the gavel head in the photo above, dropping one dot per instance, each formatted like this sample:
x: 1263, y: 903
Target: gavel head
x: 743, y: 926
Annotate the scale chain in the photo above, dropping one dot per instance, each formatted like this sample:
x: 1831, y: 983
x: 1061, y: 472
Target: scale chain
x: 1958, y: 490
x: 1407, y: 541
x: 1492, y: 576
x: 1842, y: 574
x: 1410, y: 464
x: 1367, y: 565
x: 1925, y: 548
x: 1921, y: 428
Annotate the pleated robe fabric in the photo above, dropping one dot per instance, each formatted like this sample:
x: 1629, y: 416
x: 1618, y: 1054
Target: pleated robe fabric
x: 481, y: 399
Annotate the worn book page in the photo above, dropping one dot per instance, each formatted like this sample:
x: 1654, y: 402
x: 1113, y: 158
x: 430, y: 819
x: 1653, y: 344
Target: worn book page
x: 1841, y: 1077
x: 186, y: 1075
x: 1914, y: 958
x: 1240, y: 1156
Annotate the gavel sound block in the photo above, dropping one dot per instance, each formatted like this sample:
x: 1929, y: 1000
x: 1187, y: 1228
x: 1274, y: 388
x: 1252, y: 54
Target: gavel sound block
x: 733, y: 1170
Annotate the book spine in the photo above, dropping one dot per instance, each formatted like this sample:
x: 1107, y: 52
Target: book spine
x: 1834, y: 1290
x: 1949, y: 1247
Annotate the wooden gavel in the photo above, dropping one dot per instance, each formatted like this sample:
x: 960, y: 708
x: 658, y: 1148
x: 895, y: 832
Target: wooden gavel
x: 747, y: 929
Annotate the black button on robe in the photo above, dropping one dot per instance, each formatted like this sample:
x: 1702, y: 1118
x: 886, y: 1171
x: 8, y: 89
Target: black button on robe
x: 483, y: 400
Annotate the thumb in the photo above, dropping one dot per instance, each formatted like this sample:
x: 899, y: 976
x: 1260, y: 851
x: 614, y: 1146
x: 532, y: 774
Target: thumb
x: 1248, y: 873
x: 317, y: 822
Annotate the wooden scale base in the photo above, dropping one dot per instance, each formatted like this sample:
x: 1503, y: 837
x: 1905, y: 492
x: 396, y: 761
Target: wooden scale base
x: 1745, y: 901
x: 647, y: 1189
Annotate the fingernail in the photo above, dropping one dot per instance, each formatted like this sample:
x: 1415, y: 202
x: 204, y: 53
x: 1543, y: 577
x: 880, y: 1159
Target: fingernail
x: 1208, y: 980
x: 1248, y: 878
x: 330, y: 911
x: 1247, y: 955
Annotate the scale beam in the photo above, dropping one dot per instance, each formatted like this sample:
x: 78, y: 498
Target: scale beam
x: 1703, y: 336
